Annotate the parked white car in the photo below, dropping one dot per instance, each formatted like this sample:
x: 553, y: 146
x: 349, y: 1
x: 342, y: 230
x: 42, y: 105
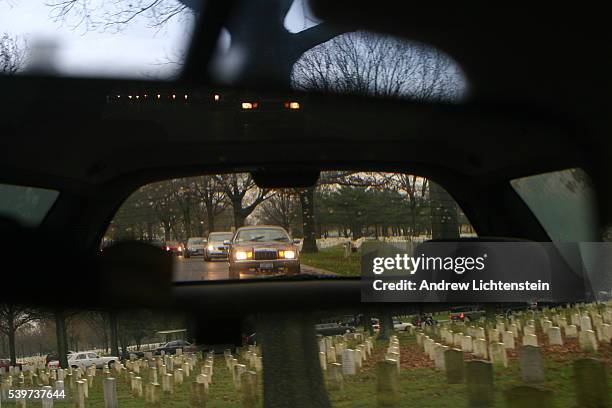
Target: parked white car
x: 400, y: 326
x: 87, y: 358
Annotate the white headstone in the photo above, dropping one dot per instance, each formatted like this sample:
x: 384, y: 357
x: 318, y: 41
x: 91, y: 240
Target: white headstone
x: 530, y: 340
x: 554, y: 336
x: 585, y: 323
x: 508, y: 340
x: 587, y: 340
x: 348, y: 362
x: 466, y: 344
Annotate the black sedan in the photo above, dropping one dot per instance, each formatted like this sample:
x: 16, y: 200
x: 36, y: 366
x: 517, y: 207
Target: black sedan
x: 172, y: 346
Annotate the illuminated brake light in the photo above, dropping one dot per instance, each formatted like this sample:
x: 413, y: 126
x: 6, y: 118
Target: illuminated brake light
x: 249, y: 105
x: 461, y: 316
x: 292, y: 105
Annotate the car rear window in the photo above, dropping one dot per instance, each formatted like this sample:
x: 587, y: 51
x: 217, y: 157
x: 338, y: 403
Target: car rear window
x: 317, y: 231
x: 27, y: 205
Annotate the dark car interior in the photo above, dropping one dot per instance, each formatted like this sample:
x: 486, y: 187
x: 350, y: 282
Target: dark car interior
x: 536, y: 101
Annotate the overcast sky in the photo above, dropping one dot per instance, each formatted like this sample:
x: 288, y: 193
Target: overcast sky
x: 137, y: 51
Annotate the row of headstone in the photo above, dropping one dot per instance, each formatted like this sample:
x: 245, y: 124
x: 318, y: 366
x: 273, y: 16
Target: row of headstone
x: 590, y: 377
x: 467, y: 338
x: 337, y: 359
x: 245, y: 376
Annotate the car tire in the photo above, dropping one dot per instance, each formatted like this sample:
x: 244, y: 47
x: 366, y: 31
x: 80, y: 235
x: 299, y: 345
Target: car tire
x: 186, y: 255
x: 111, y: 364
x: 234, y: 273
x: 295, y: 270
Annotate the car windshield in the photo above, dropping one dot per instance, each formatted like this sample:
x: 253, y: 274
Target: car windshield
x: 220, y: 237
x: 261, y: 235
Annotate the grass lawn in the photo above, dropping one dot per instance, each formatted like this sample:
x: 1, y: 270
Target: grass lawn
x: 333, y: 260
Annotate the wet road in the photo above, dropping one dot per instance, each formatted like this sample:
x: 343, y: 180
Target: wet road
x: 196, y: 269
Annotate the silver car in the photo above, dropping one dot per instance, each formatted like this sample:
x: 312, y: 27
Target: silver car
x: 195, y: 246
x: 216, y: 249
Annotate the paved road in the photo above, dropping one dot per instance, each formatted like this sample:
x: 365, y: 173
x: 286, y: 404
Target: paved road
x: 195, y: 269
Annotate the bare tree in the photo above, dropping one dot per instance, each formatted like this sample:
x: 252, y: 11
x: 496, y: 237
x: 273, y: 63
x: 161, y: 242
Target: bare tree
x: 414, y: 187
x: 367, y: 63
x: 243, y: 195
x: 268, y: 51
x: 13, y: 317
x: 13, y: 54
x: 116, y: 15
x: 99, y: 322
x: 281, y: 209
x: 209, y: 190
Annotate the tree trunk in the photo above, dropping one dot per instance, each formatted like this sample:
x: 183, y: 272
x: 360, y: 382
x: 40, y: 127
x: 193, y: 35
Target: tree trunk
x: 386, y: 325
x: 413, y: 220
x: 113, y: 333
x: 11, y: 344
x: 239, y: 217
x: 2, y: 344
x: 187, y: 222
x: 308, y: 220
x: 293, y: 375
x: 60, y: 333
x: 210, y: 215
x: 124, y: 352
x: 367, y: 323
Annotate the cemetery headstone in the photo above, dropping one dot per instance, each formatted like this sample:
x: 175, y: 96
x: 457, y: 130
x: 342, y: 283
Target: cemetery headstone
x: 591, y: 381
x: 387, y: 384
x: 479, y: 382
x: 453, y: 364
x: 532, y: 369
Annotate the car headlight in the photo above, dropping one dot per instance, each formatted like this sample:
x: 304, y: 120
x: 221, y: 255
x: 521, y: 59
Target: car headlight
x: 211, y: 248
x: 180, y: 249
x: 240, y: 255
x: 289, y: 254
